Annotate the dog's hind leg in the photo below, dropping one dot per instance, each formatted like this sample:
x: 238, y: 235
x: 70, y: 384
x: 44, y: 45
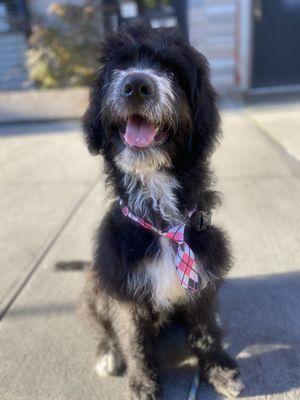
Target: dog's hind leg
x: 205, y: 341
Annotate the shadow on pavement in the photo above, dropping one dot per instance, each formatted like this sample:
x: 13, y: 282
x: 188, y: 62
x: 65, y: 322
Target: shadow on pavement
x: 45, y: 309
x: 260, y: 316
x: 39, y: 128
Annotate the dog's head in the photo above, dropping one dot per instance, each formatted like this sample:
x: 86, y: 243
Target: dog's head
x: 152, y: 104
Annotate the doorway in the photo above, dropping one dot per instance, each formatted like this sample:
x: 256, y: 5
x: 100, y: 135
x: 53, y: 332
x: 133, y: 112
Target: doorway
x: 276, y: 44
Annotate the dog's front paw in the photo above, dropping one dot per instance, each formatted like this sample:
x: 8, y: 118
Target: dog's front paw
x: 143, y: 389
x: 222, y: 372
x: 225, y: 381
x: 109, y: 364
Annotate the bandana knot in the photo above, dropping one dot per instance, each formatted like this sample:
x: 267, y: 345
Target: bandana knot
x: 186, y: 267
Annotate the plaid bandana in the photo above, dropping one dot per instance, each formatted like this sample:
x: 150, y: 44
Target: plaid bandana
x: 185, y: 260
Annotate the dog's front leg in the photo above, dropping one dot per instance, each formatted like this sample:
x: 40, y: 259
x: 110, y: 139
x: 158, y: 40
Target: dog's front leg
x: 205, y: 340
x: 137, y: 338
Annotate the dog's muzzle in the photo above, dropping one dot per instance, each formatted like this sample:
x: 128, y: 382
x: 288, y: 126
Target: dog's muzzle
x: 138, y: 88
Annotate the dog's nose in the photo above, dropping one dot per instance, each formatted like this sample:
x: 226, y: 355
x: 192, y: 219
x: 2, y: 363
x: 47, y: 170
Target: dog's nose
x: 138, y: 86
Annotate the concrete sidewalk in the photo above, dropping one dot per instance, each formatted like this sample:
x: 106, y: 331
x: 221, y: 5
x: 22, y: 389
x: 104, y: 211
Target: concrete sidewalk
x: 52, y: 197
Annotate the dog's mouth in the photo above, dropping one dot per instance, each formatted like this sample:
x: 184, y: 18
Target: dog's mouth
x: 139, y: 132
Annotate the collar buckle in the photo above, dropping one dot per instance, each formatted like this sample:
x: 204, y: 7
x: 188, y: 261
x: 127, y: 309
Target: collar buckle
x: 201, y: 220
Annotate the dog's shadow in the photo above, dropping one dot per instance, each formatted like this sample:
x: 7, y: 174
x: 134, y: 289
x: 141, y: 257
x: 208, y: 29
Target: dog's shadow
x: 260, y: 316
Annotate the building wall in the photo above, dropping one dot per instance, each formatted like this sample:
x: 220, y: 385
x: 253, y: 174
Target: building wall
x: 220, y: 29
x: 214, y: 30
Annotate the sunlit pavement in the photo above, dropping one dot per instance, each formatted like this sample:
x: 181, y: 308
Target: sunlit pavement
x: 52, y: 199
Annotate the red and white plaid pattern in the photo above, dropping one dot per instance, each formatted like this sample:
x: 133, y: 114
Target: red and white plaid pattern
x: 185, y: 260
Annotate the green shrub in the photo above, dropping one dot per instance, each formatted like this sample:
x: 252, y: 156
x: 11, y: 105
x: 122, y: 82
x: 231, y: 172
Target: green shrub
x: 64, y: 48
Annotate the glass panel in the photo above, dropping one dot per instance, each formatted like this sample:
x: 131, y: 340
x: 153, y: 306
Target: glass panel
x: 158, y: 13
x: 291, y: 4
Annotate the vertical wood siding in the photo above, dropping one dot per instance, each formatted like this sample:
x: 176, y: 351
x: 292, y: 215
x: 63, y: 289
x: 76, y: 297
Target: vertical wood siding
x: 213, y: 31
x: 12, y: 61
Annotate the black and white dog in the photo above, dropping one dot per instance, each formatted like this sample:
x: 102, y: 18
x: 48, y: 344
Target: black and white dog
x: 153, y: 117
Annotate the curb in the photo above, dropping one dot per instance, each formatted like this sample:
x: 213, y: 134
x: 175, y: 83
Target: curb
x: 43, y: 105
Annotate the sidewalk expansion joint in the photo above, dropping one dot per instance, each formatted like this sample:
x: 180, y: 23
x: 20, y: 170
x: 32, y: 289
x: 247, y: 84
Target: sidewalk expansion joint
x: 291, y: 160
x: 47, y: 247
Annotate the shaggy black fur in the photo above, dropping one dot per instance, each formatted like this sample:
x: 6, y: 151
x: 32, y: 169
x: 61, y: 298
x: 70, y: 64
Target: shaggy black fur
x: 127, y: 322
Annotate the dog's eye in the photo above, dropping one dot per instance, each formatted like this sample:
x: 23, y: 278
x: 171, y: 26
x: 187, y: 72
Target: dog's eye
x: 170, y: 75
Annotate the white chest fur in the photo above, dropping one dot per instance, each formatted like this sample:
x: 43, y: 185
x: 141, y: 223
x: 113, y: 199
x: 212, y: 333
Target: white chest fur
x: 161, y: 272
x: 159, y: 187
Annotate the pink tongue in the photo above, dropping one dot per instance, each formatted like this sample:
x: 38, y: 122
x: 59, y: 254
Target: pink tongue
x: 139, y: 132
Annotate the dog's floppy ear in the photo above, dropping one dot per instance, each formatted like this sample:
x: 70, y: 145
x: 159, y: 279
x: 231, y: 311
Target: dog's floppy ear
x: 206, y: 119
x: 91, y: 122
